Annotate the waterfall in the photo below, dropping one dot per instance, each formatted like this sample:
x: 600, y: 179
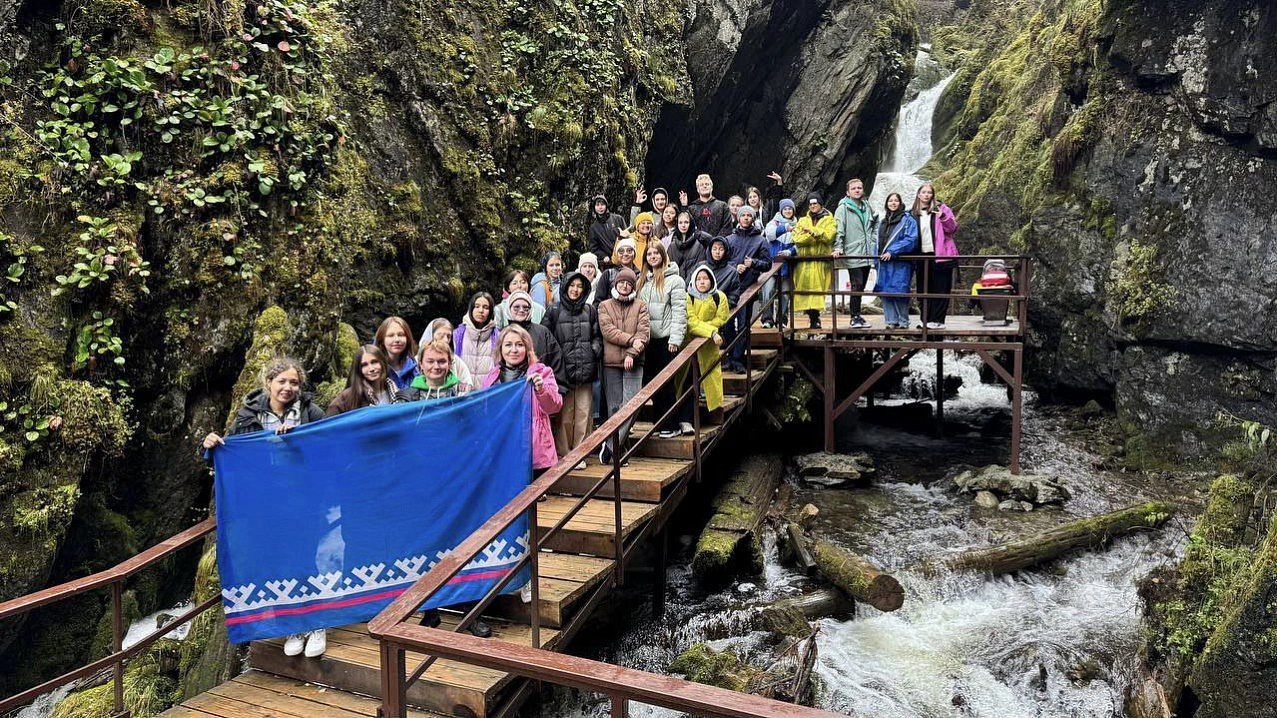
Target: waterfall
x: 911, y: 148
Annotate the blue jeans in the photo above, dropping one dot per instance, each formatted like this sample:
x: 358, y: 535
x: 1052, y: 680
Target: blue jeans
x: 896, y: 310
x: 775, y: 313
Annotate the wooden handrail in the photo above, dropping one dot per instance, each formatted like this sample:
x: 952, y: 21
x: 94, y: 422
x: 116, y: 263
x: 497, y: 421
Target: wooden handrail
x: 618, y: 682
x: 121, y: 570
x: 451, y: 564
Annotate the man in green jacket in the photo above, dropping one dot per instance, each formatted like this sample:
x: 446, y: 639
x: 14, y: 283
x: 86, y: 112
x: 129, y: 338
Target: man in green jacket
x: 855, y: 237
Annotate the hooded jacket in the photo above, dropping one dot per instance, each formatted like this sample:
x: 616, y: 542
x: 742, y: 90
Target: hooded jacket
x: 574, y: 324
x: 475, y: 345
x: 814, y: 237
x: 603, y: 230
x: 726, y: 280
x: 897, y: 234
x: 943, y: 226
x: 256, y: 404
x: 780, y: 240
x: 422, y: 391
x: 607, y: 282
x: 749, y: 243
x: 621, y: 319
x: 667, y: 310
x: 706, y: 314
x: 855, y: 233
x: 712, y: 216
x: 688, y: 250
x: 547, y: 401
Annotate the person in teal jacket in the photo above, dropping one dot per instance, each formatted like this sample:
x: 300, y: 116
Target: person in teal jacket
x: 854, y: 238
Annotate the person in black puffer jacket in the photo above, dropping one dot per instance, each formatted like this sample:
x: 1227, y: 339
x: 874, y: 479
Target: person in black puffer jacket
x: 574, y: 323
x: 687, y: 245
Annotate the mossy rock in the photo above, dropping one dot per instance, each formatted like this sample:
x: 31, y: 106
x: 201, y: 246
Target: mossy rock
x: 723, y: 669
x: 148, y: 690
x: 271, y: 333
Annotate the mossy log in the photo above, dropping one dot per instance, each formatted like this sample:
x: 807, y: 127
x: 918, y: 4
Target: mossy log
x: 739, y: 509
x: 817, y: 604
x: 1091, y: 532
x: 856, y: 576
x: 799, y: 549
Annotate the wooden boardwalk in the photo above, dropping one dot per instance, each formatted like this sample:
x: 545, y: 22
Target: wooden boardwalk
x: 576, y: 570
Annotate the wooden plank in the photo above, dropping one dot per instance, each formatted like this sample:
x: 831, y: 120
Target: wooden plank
x: 353, y: 662
x: 955, y: 324
x: 645, y: 479
x: 734, y: 382
x: 277, y: 703
x: 592, y: 529
x: 310, y: 693
x: 762, y: 357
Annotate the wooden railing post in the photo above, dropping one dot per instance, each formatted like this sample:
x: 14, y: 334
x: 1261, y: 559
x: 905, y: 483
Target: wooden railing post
x: 749, y: 358
x: 620, y: 707
x: 117, y: 642
x: 617, y: 453
x: 697, y: 450
x: 393, y: 690
x: 535, y: 567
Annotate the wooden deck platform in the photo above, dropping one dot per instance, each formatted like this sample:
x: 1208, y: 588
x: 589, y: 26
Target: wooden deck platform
x: 956, y: 325
x: 576, y: 570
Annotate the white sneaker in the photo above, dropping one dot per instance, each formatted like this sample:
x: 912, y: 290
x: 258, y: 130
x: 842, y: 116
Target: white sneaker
x: 935, y: 325
x: 579, y: 465
x: 525, y: 593
x: 316, y: 643
x: 686, y: 429
x: 294, y: 644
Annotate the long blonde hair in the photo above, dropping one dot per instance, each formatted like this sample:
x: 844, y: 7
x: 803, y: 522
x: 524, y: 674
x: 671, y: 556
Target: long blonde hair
x: 658, y: 278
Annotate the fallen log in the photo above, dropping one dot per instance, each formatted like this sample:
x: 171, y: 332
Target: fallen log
x: 818, y: 604
x: 857, y: 577
x: 1091, y: 532
x: 739, y: 509
x: 799, y: 549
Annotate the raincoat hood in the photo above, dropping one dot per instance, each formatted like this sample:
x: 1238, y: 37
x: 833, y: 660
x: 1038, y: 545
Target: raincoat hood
x: 727, y: 253
x: 691, y: 283
x: 574, y: 306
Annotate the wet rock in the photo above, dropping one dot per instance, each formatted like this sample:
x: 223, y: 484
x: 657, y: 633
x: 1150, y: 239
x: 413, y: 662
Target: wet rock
x: 1026, y: 506
x: 829, y: 469
x: 1035, y: 489
x: 986, y: 500
x: 1091, y: 410
x: 1008, y: 505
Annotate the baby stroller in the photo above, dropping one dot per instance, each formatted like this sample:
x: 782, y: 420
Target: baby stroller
x: 989, y: 293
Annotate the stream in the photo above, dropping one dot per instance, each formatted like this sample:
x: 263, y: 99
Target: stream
x: 1059, y: 642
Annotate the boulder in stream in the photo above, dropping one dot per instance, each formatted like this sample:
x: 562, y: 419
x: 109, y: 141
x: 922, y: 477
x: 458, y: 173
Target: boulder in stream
x: 1036, y: 489
x: 825, y: 468
x: 986, y: 500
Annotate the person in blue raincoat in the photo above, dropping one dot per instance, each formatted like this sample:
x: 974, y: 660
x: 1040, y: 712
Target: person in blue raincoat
x: 897, y: 236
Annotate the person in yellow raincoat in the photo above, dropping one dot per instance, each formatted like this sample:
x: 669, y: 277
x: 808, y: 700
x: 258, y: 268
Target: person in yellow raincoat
x: 707, y: 312
x: 814, y: 237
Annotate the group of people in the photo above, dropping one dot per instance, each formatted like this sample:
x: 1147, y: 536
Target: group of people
x: 587, y: 340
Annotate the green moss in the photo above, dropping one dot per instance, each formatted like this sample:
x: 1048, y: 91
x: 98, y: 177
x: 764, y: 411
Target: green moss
x: 147, y: 691
x: 1139, y: 289
x: 703, y: 664
x: 92, y: 18
x: 271, y: 333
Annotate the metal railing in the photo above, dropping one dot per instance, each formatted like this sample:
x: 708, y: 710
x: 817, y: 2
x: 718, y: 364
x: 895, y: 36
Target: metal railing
x: 112, y: 578
x: 398, y: 637
x: 1018, y: 263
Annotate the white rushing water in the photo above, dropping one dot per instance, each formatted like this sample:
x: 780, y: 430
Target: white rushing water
x: 911, y: 148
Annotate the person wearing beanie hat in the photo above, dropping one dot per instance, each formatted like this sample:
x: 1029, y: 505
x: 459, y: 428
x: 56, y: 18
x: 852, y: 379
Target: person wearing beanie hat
x: 626, y: 329
x: 780, y: 244
x: 640, y: 233
x: 603, y: 230
x: 543, y: 341
x: 750, y: 259
x: 814, y: 237
x: 626, y: 256
x: 588, y: 265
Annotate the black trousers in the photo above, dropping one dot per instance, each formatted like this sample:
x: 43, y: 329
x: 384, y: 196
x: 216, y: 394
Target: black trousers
x: 934, y: 278
x: 858, y: 276
x: 656, y: 357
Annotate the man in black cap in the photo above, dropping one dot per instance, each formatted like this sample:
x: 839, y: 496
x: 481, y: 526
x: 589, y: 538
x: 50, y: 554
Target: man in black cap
x: 605, y: 227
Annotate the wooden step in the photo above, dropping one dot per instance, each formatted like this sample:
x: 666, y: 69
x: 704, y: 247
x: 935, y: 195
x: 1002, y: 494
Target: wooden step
x: 734, y: 382
x: 760, y: 338
x: 254, y: 694
x: 566, y: 580
x: 681, y: 448
x: 353, y: 663
x: 762, y: 357
x: 645, y: 479
x: 592, y: 529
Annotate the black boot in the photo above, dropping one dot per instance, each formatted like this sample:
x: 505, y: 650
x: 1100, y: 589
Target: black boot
x: 480, y: 628
x: 430, y: 618
x: 814, y: 316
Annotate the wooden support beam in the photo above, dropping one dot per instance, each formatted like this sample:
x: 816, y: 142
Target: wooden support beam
x: 868, y: 383
x: 811, y: 376
x: 831, y: 442
x: 996, y: 366
x: 1017, y: 401
x: 939, y: 388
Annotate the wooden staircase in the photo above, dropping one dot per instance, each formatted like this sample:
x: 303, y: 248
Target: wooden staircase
x: 576, y: 571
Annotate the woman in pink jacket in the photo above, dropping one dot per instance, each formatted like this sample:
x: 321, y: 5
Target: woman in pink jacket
x: 516, y: 361
x: 936, y: 229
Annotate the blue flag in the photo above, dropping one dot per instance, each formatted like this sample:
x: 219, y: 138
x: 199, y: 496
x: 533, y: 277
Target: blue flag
x: 327, y: 524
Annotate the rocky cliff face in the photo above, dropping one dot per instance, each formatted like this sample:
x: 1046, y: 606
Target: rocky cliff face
x: 1128, y: 147
x: 807, y: 89
x: 170, y: 169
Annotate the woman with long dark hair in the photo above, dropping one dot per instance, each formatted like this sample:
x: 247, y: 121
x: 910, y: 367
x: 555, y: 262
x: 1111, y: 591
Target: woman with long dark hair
x: 897, y: 236
x: 936, y: 227
x: 367, y: 384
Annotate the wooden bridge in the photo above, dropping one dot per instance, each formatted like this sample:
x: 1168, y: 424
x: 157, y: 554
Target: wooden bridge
x: 589, y: 524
